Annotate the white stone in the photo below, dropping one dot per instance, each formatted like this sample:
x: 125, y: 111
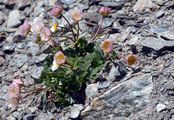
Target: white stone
x: 160, y: 107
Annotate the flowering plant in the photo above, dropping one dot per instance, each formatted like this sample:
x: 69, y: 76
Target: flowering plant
x: 68, y: 68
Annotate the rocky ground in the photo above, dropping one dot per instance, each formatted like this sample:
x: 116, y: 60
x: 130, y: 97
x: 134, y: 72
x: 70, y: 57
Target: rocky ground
x: 143, y: 27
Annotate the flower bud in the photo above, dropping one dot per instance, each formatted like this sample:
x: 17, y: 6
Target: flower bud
x: 25, y: 28
x: 76, y: 14
x: 104, y: 11
x: 56, y: 10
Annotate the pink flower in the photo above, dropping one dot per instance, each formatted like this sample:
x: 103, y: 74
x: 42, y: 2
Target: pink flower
x: 131, y: 59
x: 37, y: 25
x: 25, y: 28
x: 107, y: 46
x: 76, y: 14
x: 56, y: 10
x: 59, y: 58
x: 45, y: 34
x: 14, y: 90
x: 18, y: 82
x: 104, y: 11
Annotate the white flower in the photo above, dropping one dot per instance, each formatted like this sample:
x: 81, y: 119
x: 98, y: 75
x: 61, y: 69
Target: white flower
x: 54, y: 66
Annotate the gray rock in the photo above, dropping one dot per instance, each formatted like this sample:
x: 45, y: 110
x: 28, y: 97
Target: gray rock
x: 156, y: 43
x: 102, y: 85
x: 112, y: 4
x: 44, y: 116
x: 75, y: 110
x: 159, y: 14
x: 40, y: 58
x: 36, y: 72
x: 169, y: 35
x: 107, y: 22
x: 14, y: 19
x: 93, y: 16
x: 91, y: 90
x: 33, y: 48
x: 117, y: 72
x: 123, y: 100
x: 133, y: 41
x: 160, y: 107
x: 8, y: 48
x: 68, y: 1
x: 18, y: 60
x: 159, y: 2
x: 22, y: 4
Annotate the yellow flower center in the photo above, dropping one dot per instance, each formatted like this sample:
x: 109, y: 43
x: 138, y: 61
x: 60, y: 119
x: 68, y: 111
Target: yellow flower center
x: 106, y: 45
x: 131, y: 60
x: 60, y: 57
x: 55, y: 25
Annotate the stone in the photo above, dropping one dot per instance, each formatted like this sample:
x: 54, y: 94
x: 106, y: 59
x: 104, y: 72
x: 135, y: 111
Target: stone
x: 8, y: 48
x: 156, y: 43
x: 91, y: 90
x: 33, y: 48
x: 159, y: 2
x: 168, y: 35
x: 44, y: 116
x: 102, y: 85
x: 14, y: 19
x: 18, y: 60
x: 133, y: 41
x: 68, y: 1
x: 159, y: 14
x: 117, y: 72
x: 36, y: 72
x: 126, y: 99
x: 33, y: 109
x: 93, y: 16
x: 75, y: 110
x: 10, y: 118
x: 116, y: 5
x: 141, y: 5
x: 40, y: 58
x: 22, y: 4
x: 107, y: 22
x: 160, y: 107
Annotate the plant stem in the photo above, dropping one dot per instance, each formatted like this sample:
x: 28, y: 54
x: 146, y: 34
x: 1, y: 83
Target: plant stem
x: 70, y: 27
x: 33, y: 91
x: 95, y: 35
x: 78, y: 29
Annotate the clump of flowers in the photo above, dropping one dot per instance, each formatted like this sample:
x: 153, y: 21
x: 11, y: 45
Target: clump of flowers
x: 72, y: 61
